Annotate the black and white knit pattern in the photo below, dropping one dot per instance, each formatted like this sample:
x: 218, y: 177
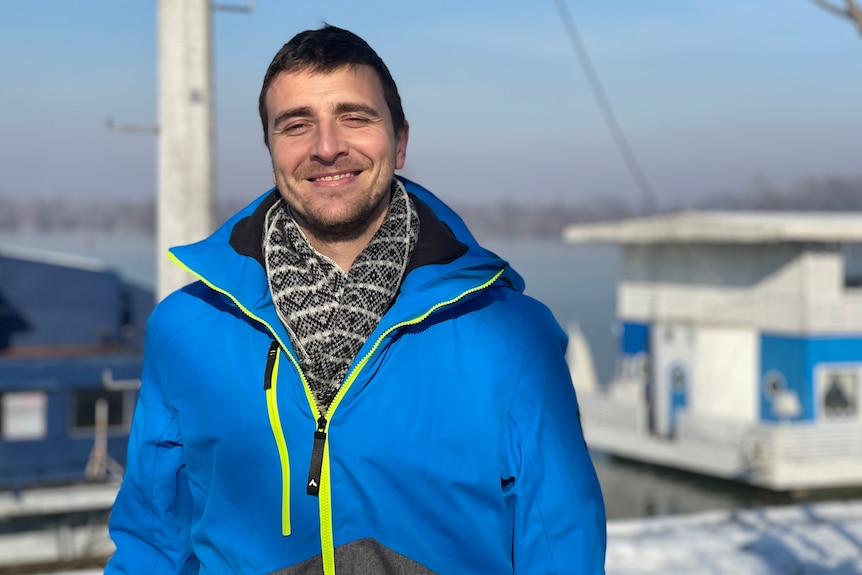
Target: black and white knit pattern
x: 328, y: 313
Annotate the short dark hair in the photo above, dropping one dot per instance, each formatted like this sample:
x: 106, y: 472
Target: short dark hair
x: 326, y: 50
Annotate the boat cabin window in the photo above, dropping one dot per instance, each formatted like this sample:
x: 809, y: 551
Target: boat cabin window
x: 84, y: 405
x: 23, y: 415
x: 839, y: 393
x: 852, y: 265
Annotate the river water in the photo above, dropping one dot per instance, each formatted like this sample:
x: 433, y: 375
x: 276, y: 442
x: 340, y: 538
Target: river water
x: 578, y: 283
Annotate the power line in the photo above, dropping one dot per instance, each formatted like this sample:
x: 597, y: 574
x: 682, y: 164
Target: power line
x: 631, y: 160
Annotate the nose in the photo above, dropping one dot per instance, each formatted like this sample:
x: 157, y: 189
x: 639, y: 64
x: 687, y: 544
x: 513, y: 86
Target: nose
x: 329, y: 144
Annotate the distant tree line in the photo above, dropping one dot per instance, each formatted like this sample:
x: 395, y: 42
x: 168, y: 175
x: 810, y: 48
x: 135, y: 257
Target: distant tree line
x: 824, y: 194
x: 505, y: 219
x: 65, y: 215
x: 510, y: 219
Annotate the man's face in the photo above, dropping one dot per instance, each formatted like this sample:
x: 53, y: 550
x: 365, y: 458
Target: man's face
x: 334, y: 150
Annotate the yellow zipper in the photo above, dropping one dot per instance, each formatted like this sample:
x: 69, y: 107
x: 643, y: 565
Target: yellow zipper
x: 278, y: 433
x: 271, y: 398
x: 325, y: 503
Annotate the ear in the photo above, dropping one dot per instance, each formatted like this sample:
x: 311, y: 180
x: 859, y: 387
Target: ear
x: 401, y: 146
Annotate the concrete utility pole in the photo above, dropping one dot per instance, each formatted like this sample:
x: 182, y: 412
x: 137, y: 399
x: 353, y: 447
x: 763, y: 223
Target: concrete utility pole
x: 185, y: 198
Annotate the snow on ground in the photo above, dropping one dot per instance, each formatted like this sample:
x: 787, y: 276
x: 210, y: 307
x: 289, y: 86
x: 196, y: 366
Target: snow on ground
x: 820, y: 539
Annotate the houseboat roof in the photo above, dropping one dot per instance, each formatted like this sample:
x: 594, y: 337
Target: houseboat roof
x: 53, y: 258
x: 65, y: 304
x: 723, y: 228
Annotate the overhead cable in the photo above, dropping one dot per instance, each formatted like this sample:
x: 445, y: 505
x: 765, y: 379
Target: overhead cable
x: 631, y: 160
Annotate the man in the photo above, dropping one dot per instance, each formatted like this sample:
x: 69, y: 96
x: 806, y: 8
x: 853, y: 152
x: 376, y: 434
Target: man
x: 354, y: 383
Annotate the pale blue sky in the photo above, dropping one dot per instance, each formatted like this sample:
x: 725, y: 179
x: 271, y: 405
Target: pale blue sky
x: 713, y: 94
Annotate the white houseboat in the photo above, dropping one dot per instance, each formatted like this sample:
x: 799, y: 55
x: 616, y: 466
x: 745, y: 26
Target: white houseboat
x: 740, y: 347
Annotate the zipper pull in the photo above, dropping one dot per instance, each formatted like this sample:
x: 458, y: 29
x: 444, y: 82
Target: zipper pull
x: 270, y: 364
x: 314, y: 470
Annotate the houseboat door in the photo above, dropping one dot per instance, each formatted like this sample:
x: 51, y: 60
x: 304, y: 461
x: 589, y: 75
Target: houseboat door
x: 673, y: 351
x: 678, y: 384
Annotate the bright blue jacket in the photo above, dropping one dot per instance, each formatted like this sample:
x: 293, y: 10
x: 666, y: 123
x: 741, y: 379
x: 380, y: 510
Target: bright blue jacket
x: 453, y: 446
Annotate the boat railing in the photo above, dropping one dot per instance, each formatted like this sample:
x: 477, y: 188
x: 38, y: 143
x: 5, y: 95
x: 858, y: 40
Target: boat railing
x: 807, y: 442
x: 837, y: 316
x: 710, y: 429
x: 765, y: 308
x: 768, y: 443
x: 598, y: 409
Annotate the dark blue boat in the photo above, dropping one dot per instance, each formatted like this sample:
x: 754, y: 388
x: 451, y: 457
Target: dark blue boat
x: 71, y: 352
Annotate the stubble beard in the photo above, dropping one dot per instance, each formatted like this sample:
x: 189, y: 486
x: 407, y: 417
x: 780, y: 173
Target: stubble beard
x: 354, y: 225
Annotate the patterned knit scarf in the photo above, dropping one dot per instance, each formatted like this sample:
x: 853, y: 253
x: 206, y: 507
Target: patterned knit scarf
x: 329, y: 314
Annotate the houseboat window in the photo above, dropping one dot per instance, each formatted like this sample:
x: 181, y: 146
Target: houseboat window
x: 23, y: 415
x: 840, y: 394
x: 852, y: 265
x: 634, y: 367
x: 678, y: 379
x: 84, y: 408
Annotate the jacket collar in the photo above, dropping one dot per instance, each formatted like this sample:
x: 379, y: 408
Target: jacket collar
x: 231, y: 261
x: 437, y: 243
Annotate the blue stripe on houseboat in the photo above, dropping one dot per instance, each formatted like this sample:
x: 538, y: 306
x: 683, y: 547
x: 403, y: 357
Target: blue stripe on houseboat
x: 790, y: 362
x: 634, y: 338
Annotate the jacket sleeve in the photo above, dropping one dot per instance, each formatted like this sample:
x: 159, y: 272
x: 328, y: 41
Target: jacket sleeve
x: 150, y: 519
x: 551, y: 488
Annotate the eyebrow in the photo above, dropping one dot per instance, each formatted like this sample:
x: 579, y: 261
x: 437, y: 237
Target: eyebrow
x: 349, y: 107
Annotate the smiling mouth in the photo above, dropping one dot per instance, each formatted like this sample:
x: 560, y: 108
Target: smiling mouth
x: 334, y: 177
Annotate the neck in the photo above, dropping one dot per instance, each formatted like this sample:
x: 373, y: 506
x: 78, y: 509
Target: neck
x: 344, y: 251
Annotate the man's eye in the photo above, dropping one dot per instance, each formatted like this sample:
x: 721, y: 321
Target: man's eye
x: 294, y: 128
x: 355, y: 121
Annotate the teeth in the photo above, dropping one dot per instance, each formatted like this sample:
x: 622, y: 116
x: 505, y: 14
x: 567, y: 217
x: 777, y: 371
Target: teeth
x: 331, y: 178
